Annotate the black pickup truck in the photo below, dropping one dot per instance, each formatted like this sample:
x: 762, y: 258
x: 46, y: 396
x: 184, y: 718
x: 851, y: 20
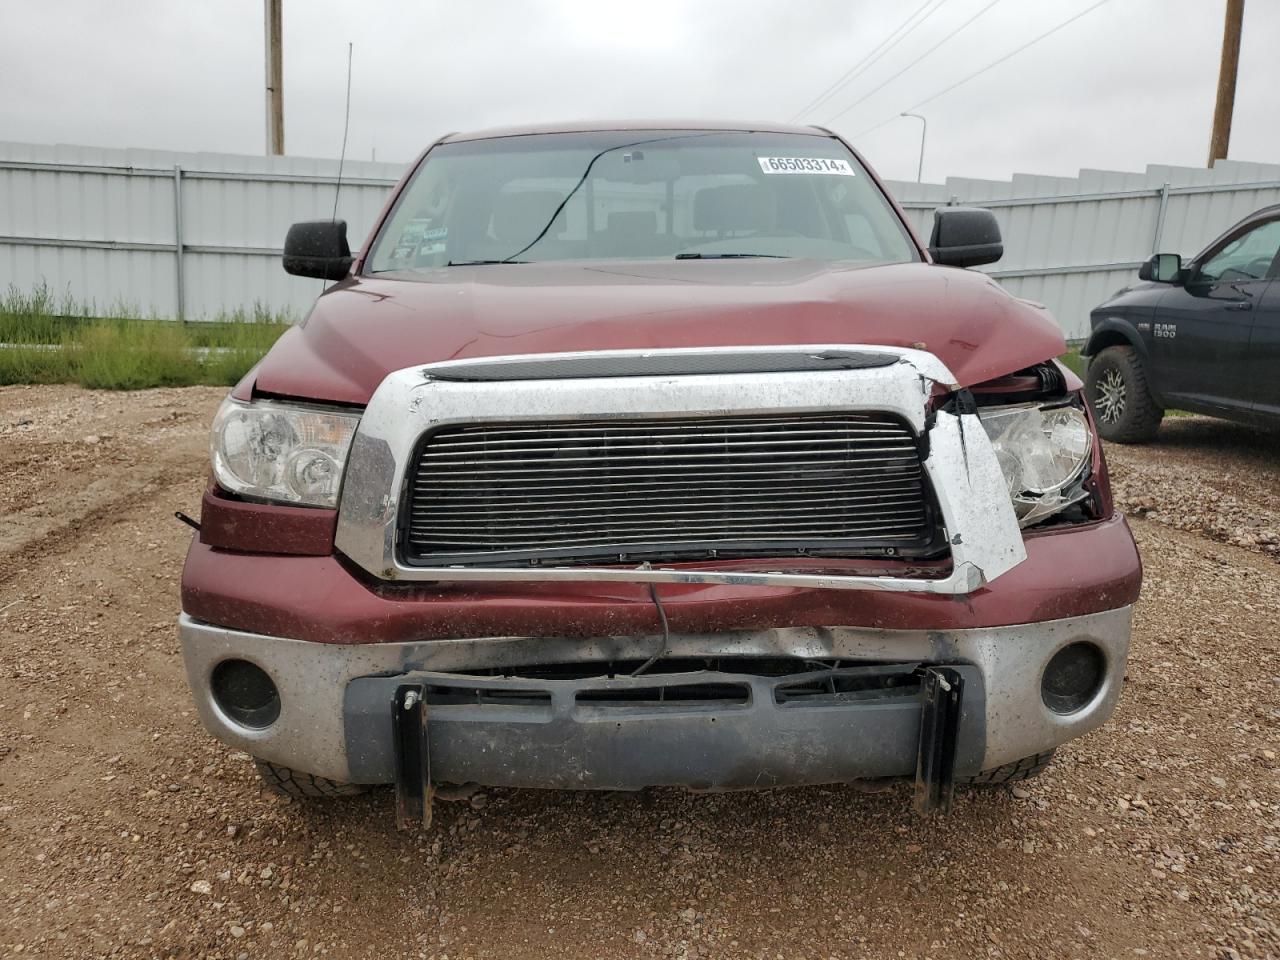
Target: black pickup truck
x: 1202, y: 336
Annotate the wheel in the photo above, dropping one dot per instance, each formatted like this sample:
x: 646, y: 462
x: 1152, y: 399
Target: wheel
x: 1116, y: 388
x: 1023, y: 769
x: 303, y: 786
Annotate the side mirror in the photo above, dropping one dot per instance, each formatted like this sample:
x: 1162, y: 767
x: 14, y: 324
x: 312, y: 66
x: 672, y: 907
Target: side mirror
x: 965, y: 237
x: 1162, y: 268
x: 318, y: 248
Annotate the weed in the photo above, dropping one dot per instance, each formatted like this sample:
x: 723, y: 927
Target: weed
x: 46, y: 338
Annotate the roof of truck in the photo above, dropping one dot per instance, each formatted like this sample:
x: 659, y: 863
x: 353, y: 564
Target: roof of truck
x: 587, y: 126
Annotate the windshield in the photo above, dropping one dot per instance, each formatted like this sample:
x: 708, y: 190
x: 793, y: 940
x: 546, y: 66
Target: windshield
x: 640, y: 195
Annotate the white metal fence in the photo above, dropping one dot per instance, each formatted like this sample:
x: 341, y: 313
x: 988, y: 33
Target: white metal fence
x: 195, y: 235
x: 171, y: 234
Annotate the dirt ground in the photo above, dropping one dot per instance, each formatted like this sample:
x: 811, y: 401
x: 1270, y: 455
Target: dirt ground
x: 126, y: 831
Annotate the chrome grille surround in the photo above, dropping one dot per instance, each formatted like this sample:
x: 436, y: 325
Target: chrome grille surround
x: 619, y: 491
x: 960, y: 467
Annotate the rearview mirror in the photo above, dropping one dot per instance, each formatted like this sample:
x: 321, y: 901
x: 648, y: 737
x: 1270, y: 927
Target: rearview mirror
x: 1162, y: 268
x: 318, y: 248
x: 965, y: 237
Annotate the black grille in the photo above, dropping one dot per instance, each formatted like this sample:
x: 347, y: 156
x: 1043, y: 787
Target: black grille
x: 624, y: 490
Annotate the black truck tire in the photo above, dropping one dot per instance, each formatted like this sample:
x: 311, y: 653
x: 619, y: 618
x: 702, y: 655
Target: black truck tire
x: 1023, y: 769
x: 1116, y: 387
x: 303, y: 786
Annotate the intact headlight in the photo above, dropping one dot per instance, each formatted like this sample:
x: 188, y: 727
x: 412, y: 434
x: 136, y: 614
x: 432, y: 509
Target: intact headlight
x: 1043, y: 452
x: 281, y: 452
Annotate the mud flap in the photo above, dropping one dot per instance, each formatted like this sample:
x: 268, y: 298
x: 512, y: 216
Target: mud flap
x: 413, y: 757
x: 942, y: 692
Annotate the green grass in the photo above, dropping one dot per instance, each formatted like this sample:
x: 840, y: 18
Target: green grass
x: 1074, y: 361
x: 57, y: 340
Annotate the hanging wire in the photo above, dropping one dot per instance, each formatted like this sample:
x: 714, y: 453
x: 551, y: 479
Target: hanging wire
x: 871, y: 58
x: 978, y: 73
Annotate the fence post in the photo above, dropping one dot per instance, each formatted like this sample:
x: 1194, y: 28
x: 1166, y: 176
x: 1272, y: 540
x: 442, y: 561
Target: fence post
x: 177, y: 241
x: 1164, y: 205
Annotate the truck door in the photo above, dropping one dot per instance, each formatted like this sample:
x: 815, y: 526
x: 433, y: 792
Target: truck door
x: 1201, y: 330
x: 1264, y: 349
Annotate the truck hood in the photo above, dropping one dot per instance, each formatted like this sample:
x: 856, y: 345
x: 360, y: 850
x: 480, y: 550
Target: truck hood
x: 367, y: 327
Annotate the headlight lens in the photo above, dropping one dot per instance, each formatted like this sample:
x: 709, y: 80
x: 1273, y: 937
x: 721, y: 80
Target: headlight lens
x: 1042, y: 452
x: 281, y: 452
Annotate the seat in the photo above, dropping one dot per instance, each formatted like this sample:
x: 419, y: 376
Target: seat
x: 519, y: 216
x: 632, y: 233
x: 734, y: 208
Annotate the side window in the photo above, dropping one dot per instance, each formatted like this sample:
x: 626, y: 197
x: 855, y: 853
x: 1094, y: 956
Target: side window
x: 1247, y: 257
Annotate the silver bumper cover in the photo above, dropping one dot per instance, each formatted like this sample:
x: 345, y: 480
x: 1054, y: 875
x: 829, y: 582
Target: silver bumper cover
x: 320, y: 732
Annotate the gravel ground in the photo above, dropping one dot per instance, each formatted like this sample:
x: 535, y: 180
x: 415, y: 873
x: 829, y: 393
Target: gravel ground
x: 125, y: 831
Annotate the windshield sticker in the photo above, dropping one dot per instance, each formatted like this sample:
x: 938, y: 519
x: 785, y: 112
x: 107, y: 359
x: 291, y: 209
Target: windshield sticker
x: 420, y: 239
x: 806, y: 165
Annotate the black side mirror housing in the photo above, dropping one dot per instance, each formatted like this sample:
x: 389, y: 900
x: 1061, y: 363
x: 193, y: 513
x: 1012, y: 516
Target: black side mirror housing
x: 1162, y: 268
x: 965, y: 237
x: 318, y: 248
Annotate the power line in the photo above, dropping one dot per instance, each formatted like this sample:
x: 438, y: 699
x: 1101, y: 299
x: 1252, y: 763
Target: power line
x: 989, y: 66
x: 890, y: 80
x: 871, y: 58
x: 857, y: 67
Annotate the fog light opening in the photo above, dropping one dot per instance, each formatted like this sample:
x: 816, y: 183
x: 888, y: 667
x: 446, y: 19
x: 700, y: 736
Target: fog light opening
x: 245, y: 693
x: 1073, y: 677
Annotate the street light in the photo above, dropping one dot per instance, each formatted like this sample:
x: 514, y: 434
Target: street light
x: 924, y: 128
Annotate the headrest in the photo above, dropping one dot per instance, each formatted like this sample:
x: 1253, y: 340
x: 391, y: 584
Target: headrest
x: 518, y: 216
x: 633, y: 223
x: 745, y: 206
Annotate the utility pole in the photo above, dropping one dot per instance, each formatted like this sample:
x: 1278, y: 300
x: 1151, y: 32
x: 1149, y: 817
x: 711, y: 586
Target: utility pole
x: 275, y: 77
x: 1222, y: 110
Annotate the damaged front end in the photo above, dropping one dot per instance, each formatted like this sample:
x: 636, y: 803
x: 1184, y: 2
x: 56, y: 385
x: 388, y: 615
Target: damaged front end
x: 819, y: 531
x: 531, y: 468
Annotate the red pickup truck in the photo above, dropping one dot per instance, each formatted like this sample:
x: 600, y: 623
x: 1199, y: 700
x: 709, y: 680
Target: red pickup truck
x: 655, y: 454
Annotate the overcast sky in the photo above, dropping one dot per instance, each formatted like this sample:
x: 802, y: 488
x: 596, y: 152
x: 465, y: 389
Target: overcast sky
x: 1127, y: 84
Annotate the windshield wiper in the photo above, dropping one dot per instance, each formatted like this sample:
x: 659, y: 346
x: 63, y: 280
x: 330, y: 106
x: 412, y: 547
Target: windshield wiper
x: 481, y: 263
x: 729, y: 256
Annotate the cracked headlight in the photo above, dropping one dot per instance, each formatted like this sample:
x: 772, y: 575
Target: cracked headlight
x: 1043, y: 452
x: 281, y: 452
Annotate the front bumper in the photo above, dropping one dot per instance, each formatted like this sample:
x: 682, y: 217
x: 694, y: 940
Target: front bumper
x: 597, y: 732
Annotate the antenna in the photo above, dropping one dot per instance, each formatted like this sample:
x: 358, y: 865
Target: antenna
x: 342, y: 157
x: 346, y: 123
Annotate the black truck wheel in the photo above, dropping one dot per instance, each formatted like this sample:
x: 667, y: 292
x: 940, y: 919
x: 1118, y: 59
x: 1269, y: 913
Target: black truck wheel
x: 1023, y: 769
x: 303, y: 786
x: 1116, y: 388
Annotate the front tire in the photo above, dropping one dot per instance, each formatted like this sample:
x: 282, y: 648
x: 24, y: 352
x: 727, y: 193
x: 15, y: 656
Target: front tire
x: 1023, y: 769
x: 303, y: 786
x: 1117, y: 391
